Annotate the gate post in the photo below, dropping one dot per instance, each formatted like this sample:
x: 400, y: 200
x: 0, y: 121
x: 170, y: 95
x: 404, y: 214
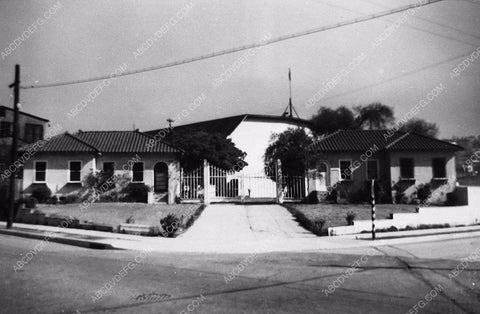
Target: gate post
x: 279, y: 181
x: 206, y: 182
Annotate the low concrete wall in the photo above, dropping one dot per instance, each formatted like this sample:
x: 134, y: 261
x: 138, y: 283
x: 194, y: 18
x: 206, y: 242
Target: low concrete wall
x: 452, y: 215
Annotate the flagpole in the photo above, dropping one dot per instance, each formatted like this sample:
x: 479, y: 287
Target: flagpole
x: 290, y: 84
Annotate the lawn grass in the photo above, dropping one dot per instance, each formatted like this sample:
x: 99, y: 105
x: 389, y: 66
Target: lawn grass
x: 335, y: 214
x: 117, y: 213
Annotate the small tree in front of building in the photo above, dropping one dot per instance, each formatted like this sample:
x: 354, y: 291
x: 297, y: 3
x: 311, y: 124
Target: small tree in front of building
x: 214, y: 147
x: 290, y: 147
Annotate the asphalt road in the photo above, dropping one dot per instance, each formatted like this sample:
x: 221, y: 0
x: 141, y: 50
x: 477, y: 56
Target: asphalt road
x: 410, y: 278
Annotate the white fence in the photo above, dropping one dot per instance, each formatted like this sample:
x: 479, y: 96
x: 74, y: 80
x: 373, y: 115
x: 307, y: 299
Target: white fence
x: 224, y: 185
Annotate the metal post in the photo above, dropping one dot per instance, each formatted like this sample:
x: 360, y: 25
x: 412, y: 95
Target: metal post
x: 14, y: 151
x: 279, y: 180
x: 373, y: 209
x: 206, y: 182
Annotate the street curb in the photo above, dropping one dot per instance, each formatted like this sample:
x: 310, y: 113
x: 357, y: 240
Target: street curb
x: 67, y: 241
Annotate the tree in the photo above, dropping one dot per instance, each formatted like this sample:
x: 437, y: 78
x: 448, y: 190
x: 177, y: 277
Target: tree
x: 328, y: 120
x: 200, y: 145
x: 420, y: 126
x: 374, y: 116
x: 467, y: 160
x: 290, y: 147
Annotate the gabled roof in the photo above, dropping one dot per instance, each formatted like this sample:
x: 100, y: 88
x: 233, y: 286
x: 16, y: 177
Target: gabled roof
x: 227, y: 125
x: 105, y: 142
x: 362, y: 140
x: 24, y: 113
x: 64, y: 142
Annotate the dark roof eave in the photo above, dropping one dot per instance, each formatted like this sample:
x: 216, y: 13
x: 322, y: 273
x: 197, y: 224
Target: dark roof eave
x: 26, y: 114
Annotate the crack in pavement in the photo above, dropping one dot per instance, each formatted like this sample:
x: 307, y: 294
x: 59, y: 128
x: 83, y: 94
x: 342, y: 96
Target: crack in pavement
x: 422, y: 278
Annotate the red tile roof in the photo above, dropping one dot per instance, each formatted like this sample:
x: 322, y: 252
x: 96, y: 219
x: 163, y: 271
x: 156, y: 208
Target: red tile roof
x: 362, y: 140
x: 64, y: 142
x: 105, y: 142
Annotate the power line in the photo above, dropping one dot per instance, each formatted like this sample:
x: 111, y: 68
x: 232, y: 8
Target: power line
x: 415, y: 27
x: 241, y: 48
x: 435, y: 23
x: 434, y: 65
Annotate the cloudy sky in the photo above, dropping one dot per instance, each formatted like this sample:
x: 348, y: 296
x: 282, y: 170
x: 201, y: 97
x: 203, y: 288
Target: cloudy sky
x: 91, y: 38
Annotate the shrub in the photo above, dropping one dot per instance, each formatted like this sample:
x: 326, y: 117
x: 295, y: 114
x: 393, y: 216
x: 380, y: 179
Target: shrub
x: 312, y: 198
x: 108, y: 198
x: 137, y: 192
x: 42, y: 194
x: 130, y: 220
x: 31, y: 202
x: 100, y: 181
x: 400, y: 198
x: 424, y: 192
x: 317, y: 226
x: 69, y: 199
x: 331, y: 196
x: 53, y: 200
x: 350, y: 217
x: 170, y: 224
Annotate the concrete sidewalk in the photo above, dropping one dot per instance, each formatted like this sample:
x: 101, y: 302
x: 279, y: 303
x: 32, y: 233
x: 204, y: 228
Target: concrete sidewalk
x: 105, y: 240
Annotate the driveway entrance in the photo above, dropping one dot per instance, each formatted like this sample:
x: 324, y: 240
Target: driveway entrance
x: 228, y: 224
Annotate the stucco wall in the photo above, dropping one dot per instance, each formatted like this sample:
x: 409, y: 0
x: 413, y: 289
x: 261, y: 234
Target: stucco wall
x: 423, y: 173
x: 149, y: 160
x: 359, y: 175
x: 58, y: 174
x: 423, y: 165
x: 389, y: 172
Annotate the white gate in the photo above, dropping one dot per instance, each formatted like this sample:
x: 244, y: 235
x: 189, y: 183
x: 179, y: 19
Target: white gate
x: 230, y: 186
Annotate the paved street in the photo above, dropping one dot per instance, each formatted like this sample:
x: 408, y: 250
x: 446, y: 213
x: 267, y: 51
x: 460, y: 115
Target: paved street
x: 387, y: 279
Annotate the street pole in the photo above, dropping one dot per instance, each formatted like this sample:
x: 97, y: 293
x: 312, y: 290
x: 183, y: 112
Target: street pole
x: 16, y: 99
x: 373, y: 209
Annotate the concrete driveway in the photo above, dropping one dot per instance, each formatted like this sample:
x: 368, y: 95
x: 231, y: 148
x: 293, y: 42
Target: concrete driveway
x: 227, y: 224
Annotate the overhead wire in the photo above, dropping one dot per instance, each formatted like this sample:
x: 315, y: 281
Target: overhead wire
x: 430, y: 66
x: 237, y: 49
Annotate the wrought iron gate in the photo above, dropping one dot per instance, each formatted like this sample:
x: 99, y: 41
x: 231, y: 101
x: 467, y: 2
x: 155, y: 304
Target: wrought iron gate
x: 230, y: 186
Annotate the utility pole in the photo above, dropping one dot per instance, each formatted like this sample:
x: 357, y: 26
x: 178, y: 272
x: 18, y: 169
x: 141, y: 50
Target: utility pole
x: 16, y: 100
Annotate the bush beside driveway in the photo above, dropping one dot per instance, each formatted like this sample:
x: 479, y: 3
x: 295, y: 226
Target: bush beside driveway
x: 334, y: 215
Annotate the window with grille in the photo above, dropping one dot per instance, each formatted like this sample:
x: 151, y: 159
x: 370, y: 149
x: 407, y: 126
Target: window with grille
x: 40, y: 171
